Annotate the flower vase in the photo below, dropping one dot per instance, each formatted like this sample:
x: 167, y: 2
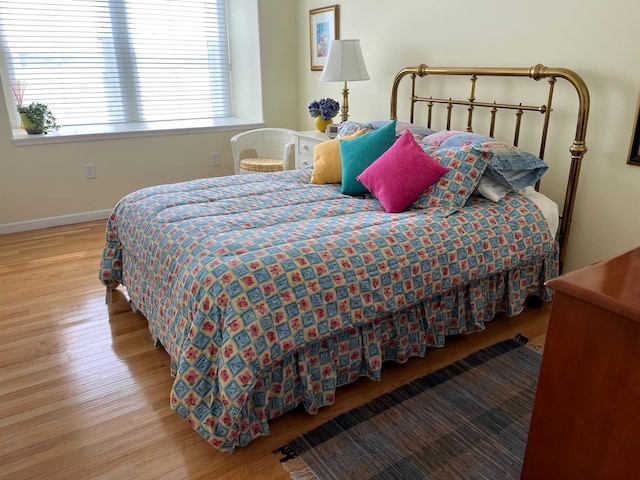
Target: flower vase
x: 321, y: 123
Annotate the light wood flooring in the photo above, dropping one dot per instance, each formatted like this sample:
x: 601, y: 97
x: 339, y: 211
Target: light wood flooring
x: 84, y: 394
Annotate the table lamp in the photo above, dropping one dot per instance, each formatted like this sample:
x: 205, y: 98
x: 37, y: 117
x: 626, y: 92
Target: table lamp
x: 344, y: 64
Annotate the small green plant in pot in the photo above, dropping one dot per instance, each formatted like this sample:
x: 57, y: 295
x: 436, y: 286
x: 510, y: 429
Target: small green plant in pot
x: 37, y: 118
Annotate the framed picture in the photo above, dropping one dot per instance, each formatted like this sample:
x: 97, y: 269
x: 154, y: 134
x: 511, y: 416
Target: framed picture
x: 634, y: 150
x: 323, y: 29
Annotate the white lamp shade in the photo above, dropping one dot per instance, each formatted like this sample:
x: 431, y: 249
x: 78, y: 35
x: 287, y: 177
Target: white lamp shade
x: 344, y: 62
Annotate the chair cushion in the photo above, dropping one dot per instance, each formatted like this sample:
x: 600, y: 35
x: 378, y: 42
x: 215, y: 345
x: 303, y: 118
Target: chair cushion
x: 261, y: 165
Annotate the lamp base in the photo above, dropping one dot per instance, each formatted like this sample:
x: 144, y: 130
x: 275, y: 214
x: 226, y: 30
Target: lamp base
x: 345, y: 103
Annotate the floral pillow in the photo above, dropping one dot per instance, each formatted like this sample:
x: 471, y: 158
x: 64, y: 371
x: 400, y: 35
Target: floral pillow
x: 437, y: 139
x: 418, y: 131
x: 509, y: 165
x: 466, y: 166
x: 348, y: 128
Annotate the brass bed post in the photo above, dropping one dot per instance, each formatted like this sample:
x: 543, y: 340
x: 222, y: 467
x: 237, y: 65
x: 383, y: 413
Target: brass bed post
x: 547, y: 117
x: 578, y: 149
x: 413, y: 96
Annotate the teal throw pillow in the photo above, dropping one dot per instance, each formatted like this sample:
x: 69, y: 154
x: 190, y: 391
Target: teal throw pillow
x: 358, y: 153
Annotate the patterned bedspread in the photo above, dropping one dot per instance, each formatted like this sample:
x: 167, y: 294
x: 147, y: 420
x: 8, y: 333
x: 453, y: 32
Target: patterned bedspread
x: 268, y: 292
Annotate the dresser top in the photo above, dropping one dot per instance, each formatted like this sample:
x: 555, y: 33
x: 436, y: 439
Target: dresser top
x: 613, y: 284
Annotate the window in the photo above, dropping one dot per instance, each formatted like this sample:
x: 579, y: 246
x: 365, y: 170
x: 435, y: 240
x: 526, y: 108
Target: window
x: 96, y: 62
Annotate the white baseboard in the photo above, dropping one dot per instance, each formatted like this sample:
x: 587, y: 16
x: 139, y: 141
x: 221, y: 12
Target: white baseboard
x: 54, y: 221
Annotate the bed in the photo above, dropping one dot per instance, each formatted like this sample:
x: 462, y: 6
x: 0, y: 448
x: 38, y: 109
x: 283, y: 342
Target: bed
x: 269, y: 291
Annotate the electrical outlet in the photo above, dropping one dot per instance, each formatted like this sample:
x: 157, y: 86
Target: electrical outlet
x: 89, y: 171
x: 215, y: 159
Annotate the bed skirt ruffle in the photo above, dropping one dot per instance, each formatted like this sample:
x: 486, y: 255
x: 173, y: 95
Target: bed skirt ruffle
x: 311, y: 375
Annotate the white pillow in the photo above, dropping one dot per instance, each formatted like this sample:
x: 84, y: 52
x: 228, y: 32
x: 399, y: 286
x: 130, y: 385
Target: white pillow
x: 492, y: 189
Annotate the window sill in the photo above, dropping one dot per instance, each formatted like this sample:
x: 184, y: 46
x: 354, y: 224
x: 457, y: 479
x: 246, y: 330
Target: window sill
x: 82, y: 133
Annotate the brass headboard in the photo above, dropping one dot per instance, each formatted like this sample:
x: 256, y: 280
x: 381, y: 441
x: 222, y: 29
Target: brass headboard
x: 538, y: 72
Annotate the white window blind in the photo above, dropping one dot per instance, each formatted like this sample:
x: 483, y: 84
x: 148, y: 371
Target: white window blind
x: 119, y: 61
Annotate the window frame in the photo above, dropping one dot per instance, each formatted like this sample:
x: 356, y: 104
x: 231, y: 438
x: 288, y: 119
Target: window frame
x: 127, y: 130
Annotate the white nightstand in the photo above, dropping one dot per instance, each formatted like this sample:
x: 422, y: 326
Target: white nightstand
x: 305, y: 141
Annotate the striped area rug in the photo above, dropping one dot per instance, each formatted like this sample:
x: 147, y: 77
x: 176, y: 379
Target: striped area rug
x: 466, y: 421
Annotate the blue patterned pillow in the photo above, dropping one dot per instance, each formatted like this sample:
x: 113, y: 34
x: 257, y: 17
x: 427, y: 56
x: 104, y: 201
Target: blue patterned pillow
x: 466, y: 166
x: 509, y: 165
x: 348, y: 127
x: 418, y: 131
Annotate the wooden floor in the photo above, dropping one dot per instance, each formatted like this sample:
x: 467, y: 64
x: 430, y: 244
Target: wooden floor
x: 85, y: 394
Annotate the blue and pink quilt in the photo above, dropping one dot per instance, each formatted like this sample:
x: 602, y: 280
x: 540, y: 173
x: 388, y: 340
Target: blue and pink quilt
x: 268, y: 292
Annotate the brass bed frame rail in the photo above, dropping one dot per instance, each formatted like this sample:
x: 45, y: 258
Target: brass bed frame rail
x: 537, y: 72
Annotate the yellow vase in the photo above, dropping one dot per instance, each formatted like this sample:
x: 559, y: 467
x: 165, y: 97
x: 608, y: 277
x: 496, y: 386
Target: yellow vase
x: 321, y: 123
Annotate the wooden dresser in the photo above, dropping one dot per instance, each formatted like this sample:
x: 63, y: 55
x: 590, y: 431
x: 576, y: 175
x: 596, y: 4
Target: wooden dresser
x: 586, y: 416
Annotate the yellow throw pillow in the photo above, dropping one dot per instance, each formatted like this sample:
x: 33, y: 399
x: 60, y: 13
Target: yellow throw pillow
x: 327, y: 166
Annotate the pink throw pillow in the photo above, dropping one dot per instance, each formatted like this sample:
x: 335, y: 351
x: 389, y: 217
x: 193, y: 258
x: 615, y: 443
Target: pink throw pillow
x: 401, y: 174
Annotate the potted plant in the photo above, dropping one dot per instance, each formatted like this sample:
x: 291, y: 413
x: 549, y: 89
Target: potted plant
x: 37, y: 118
x: 323, y: 111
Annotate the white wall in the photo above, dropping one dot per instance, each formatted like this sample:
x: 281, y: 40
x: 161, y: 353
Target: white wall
x: 38, y: 182
x: 597, y: 39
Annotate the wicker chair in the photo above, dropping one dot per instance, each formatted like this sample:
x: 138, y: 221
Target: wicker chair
x: 263, y: 150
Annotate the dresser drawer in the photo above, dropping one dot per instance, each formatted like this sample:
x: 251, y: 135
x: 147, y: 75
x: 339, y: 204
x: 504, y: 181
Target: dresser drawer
x: 304, y: 161
x: 306, y: 146
x: 305, y: 141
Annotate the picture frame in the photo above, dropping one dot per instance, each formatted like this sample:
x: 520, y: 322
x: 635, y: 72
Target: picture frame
x: 634, y: 149
x: 323, y: 29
